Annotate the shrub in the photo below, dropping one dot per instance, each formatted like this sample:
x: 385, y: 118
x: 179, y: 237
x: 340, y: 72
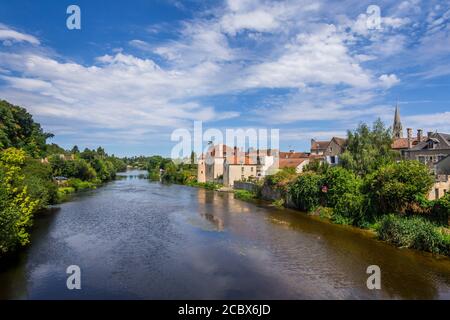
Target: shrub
x: 244, y: 195
x: 413, y: 232
x: 79, y: 184
x: 339, y: 182
x: 396, y: 186
x: 306, y: 191
x: 350, y: 209
x: 441, y: 210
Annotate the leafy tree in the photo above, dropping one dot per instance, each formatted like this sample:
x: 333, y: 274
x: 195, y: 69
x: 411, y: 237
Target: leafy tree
x: 306, y: 190
x: 340, y: 181
x: 38, y: 180
x: 368, y: 149
x: 16, y: 205
x: 17, y: 129
x: 75, y: 150
x: 395, y: 187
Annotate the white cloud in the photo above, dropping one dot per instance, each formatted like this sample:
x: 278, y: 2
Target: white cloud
x: 9, y: 35
x: 389, y: 80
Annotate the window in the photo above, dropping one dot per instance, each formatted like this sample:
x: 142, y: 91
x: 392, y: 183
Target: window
x: 242, y: 169
x: 422, y: 159
x: 436, y: 193
x: 332, y: 159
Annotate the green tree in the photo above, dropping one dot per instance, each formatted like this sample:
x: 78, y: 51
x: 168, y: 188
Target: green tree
x: 306, y: 190
x: 17, y: 129
x: 16, y: 206
x: 368, y: 149
x: 396, y: 187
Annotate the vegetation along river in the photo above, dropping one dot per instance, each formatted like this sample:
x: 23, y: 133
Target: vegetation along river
x: 136, y: 239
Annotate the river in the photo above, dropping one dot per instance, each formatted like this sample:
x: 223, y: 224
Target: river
x: 135, y: 239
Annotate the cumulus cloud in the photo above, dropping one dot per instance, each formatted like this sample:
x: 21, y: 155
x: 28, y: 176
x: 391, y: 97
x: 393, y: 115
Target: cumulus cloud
x: 389, y: 80
x: 321, y: 53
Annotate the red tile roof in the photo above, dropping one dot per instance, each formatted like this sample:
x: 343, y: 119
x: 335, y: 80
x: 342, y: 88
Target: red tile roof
x: 291, y: 163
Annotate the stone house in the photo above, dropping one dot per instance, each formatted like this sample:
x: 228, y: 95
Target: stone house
x: 330, y: 150
x: 430, y: 150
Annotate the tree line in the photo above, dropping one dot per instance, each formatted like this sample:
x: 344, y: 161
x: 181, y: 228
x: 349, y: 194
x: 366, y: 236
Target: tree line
x: 35, y: 174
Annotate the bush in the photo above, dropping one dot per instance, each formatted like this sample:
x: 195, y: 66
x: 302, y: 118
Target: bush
x: 350, y: 209
x: 244, y: 195
x: 78, y: 184
x: 339, y: 182
x: 441, y: 210
x: 396, y: 187
x: 414, y: 232
x: 306, y: 191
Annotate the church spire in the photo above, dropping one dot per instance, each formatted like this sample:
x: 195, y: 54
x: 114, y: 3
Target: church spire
x: 397, y: 129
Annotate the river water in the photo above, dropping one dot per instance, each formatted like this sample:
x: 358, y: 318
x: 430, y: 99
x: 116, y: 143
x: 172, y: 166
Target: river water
x: 135, y: 239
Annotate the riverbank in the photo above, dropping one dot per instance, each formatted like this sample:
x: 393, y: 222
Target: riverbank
x: 401, y: 231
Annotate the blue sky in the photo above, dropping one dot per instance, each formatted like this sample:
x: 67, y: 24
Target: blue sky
x: 138, y: 70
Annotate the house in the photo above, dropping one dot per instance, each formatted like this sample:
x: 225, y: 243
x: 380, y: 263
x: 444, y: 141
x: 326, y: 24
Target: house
x: 440, y: 188
x: 253, y: 164
x: 430, y: 150
x: 443, y: 166
x: 297, y: 163
x: 210, y: 164
x: 403, y: 144
x: 329, y: 150
x: 238, y: 168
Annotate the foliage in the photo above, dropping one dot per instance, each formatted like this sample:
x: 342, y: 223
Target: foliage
x: 340, y: 181
x: 350, y: 208
x: 16, y: 205
x: 413, y: 232
x: 244, y: 195
x: 18, y: 130
x: 394, y: 187
x: 78, y: 184
x: 204, y: 185
x: 306, y: 191
x: 368, y: 149
x: 280, y: 179
x: 441, y: 210
x: 317, y: 166
x: 38, y: 180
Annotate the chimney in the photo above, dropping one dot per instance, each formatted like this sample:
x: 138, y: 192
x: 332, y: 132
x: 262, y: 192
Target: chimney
x: 429, y: 134
x: 409, y: 135
x: 419, y: 135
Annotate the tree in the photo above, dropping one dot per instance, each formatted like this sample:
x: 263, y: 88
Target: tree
x: 340, y: 181
x: 18, y: 130
x: 306, y: 191
x: 16, y: 206
x: 368, y: 149
x: 395, y: 187
x: 75, y: 150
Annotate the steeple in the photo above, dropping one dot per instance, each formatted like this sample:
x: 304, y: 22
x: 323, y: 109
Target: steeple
x: 397, y: 129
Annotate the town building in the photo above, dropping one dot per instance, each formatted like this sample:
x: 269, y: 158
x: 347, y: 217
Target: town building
x: 330, y: 150
x: 210, y: 165
x: 254, y: 164
x: 432, y: 150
